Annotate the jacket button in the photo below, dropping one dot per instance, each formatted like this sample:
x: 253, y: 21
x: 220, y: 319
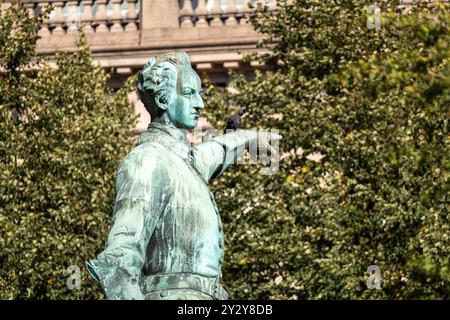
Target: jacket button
x: 163, y: 294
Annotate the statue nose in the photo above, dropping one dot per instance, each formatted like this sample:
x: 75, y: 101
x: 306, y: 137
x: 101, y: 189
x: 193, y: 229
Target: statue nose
x: 199, y: 103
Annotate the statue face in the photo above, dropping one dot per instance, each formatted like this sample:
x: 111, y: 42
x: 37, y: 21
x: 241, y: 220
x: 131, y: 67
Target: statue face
x: 186, y: 102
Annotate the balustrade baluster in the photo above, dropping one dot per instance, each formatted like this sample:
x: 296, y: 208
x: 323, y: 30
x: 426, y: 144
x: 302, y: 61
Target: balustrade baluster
x: 201, y: 14
x: 58, y: 19
x: 87, y: 17
x: 43, y: 30
x: 30, y: 9
x: 116, y: 17
x: 101, y: 16
x: 186, y: 14
x: 232, y: 12
x: 131, y: 16
x: 216, y: 11
x: 73, y: 18
x: 251, y: 12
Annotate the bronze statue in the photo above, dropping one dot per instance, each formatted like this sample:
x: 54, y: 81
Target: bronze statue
x: 166, y: 239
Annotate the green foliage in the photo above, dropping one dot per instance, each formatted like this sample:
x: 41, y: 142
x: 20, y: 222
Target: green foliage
x: 363, y: 176
x: 62, y: 135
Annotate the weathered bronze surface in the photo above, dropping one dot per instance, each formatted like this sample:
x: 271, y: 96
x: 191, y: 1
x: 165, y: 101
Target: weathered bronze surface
x: 166, y: 239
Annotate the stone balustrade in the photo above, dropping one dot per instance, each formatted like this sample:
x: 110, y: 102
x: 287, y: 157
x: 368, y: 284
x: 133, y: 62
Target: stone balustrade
x: 94, y: 16
x: 120, y: 16
x: 135, y: 29
x: 123, y: 34
x: 204, y: 13
x: 116, y: 16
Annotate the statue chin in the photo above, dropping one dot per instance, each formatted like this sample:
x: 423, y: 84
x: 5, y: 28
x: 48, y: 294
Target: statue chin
x: 187, y: 125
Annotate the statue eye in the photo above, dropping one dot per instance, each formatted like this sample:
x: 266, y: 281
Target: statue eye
x: 187, y: 93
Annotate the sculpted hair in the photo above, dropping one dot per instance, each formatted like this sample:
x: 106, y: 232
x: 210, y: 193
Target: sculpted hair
x: 156, y: 78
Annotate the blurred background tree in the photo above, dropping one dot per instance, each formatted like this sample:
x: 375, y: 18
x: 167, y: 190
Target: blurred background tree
x: 62, y: 135
x: 363, y: 178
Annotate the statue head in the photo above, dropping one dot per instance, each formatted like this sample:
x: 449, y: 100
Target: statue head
x: 171, y: 90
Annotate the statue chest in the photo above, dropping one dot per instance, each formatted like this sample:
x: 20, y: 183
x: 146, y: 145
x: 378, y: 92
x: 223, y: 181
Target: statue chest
x: 189, y: 236
x: 191, y: 203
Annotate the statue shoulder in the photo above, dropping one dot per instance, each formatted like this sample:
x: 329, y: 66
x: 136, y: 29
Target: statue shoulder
x: 142, y: 174
x: 144, y: 158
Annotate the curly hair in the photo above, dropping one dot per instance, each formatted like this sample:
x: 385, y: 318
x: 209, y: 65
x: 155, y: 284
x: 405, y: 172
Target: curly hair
x: 155, y: 78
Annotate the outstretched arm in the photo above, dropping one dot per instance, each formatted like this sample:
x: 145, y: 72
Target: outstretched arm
x: 140, y: 201
x: 215, y: 155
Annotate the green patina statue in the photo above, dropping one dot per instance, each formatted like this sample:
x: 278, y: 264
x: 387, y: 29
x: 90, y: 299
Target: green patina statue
x: 166, y: 239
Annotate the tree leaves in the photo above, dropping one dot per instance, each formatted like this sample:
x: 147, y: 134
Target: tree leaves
x: 372, y: 105
x: 62, y: 136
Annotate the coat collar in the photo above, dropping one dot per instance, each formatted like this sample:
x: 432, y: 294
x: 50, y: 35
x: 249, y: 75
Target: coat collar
x: 174, y: 139
x: 169, y: 136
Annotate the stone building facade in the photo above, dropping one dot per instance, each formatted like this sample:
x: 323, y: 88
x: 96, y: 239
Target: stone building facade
x: 123, y: 34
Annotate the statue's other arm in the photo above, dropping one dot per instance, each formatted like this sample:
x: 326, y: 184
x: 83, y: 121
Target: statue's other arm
x: 215, y: 155
x: 140, y: 201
